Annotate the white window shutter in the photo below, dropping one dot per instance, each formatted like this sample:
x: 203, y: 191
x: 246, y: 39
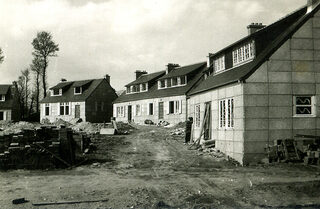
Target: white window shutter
x: 148, y: 109
x: 168, y: 107
x: 180, y: 109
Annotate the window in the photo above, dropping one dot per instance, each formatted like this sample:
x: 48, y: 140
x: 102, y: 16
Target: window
x: 57, y: 92
x: 174, y: 81
x: 219, y: 64
x: 64, y: 108
x: 175, y: 107
x: 120, y: 111
x: 78, y: 90
x: 162, y: 84
x: 138, y: 110
x: 304, y: 105
x: 226, y: 113
x: 47, y: 109
x: 128, y: 90
x: 168, y: 82
x: 243, y: 53
x: 150, y: 108
x: 197, y: 115
x: 2, y: 98
x: 144, y: 87
x: 183, y: 80
x: 171, y: 107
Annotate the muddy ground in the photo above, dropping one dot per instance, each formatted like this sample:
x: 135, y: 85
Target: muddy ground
x: 151, y: 169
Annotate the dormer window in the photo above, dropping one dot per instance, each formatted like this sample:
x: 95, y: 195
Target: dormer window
x: 183, y: 80
x: 56, y: 92
x: 244, y: 53
x: 144, y: 87
x: 219, y: 64
x: 129, y: 90
x: 175, y: 81
x: 78, y: 90
x: 161, y: 84
x: 2, y: 98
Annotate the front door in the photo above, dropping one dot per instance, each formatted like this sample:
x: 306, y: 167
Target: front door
x: 1, y: 116
x: 129, y: 113
x: 160, y: 110
x: 77, y: 111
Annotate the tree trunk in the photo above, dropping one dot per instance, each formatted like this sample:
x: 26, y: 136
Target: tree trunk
x: 44, y: 77
x: 37, y: 92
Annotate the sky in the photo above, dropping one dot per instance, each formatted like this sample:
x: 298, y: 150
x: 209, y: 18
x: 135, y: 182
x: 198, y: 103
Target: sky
x: 118, y: 37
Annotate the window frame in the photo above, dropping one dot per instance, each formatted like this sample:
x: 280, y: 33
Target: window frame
x: 77, y: 93
x: 197, y: 115
x: 244, y: 53
x: 312, y: 105
x: 47, y: 109
x: 59, y: 91
x: 66, y: 106
x: 226, y: 113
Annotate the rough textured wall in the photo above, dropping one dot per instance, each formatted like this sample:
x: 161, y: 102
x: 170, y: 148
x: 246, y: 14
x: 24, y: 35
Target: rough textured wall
x: 294, y: 69
x: 171, y: 118
x: 228, y: 140
x: 99, y: 104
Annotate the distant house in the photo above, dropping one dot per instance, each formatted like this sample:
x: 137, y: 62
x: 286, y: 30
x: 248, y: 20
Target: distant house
x: 263, y: 87
x: 90, y: 100
x: 9, y: 105
x: 159, y: 96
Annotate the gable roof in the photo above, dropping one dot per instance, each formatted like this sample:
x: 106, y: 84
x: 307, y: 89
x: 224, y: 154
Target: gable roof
x: 4, y: 89
x: 146, y: 78
x: 69, y: 96
x: 184, y: 70
x: 154, y: 92
x: 61, y: 85
x: 242, y: 72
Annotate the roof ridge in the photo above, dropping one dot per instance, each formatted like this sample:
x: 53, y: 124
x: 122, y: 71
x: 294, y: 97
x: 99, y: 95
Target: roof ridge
x: 190, y: 65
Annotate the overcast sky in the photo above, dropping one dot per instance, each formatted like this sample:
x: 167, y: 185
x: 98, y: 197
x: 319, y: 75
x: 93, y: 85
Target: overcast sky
x: 118, y: 37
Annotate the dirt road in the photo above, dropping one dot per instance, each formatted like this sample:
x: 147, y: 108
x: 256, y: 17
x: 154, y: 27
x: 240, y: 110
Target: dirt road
x: 151, y: 169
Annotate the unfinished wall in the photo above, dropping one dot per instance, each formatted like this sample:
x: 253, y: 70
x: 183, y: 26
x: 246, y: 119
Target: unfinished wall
x: 228, y: 140
x: 171, y: 118
x: 54, y: 112
x: 294, y: 69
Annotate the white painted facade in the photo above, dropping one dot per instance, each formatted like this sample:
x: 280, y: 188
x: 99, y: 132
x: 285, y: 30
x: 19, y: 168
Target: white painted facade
x: 54, y: 111
x: 179, y: 114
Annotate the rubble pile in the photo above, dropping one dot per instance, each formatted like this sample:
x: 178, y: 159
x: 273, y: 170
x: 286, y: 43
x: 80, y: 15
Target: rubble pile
x: 45, y: 147
x: 303, y: 148
x: 177, y: 132
x: 9, y: 127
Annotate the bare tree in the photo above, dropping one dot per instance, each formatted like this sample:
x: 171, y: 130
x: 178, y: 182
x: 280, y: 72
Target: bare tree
x: 44, y: 47
x: 36, y: 67
x: 26, y: 74
x: 1, y: 56
x: 20, y: 86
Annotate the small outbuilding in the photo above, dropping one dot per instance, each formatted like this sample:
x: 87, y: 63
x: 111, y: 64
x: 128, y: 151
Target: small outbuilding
x: 9, y: 105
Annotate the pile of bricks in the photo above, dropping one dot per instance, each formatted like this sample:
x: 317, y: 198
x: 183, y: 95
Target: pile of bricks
x: 45, y: 147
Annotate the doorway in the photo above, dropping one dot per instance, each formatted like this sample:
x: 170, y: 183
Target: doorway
x: 207, y: 122
x: 1, y: 116
x: 77, y: 111
x: 129, y: 113
x: 160, y: 110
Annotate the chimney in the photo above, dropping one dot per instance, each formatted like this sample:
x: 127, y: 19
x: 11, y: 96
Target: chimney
x: 254, y: 27
x: 63, y: 80
x: 171, y: 66
x: 312, y: 4
x: 107, y: 77
x: 139, y: 73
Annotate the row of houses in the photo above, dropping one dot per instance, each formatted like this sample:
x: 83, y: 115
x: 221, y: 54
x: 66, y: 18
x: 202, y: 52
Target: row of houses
x: 263, y: 87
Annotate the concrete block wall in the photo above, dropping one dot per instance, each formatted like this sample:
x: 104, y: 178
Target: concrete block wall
x: 54, y: 112
x: 228, y: 140
x: 171, y: 118
x: 294, y: 69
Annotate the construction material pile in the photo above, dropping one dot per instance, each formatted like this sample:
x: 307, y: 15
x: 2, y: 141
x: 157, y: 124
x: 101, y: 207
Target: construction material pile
x: 45, y: 147
x: 9, y: 127
x: 304, y: 148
